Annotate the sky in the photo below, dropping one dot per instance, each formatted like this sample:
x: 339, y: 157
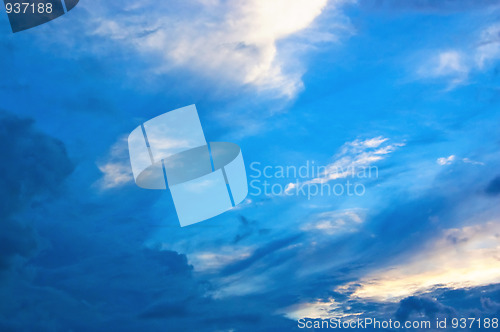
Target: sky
x: 409, y: 90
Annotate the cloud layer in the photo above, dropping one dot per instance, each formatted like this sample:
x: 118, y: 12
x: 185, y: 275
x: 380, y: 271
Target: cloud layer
x: 243, y: 42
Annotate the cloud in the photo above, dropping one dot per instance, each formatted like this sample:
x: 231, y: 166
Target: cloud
x: 16, y: 239
x: 129, y: 288
x: 420, y: 305
x: 259, y: 254
x: 333, y: 222
x: 33, y: 167
x: 396, y: 233
x: 164, y: 310
x: 445, y: 160
x: 248, y: 228
x: 213, y: 261
x: 460, y: 258
x: 319, y: 309
x: 456, y: 65
x: 116, y: 174
x: 448, y: 64
x: 239, y: 43
x: 473, y: 162
x: 116, y: 169
x: 412, y: 247
x: 489, y: 46
x: 490, y: 305
x: 353, y: 157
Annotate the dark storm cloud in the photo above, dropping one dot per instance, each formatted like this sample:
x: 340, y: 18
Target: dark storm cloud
x: 420, y: 306
x: 15, y: 239
x: 32, y: 162
x: 476, y: 302
x: 32, y: 165
x: 491, y: 305
x: 125, y: 289
x: 132, y: 289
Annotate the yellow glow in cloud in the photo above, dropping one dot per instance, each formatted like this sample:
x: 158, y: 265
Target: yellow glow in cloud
x: 319, y: 309
x: 466, y: 257
x: 234, y: 41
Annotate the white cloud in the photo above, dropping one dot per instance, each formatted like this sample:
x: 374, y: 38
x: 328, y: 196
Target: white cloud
x: 332, y: 222
x: 316, y: 310
x: 452, y: 159
x: 489, y: 46
x: 456, y: 65
x: 319, y: 309
x: 473, y: 162
x: 445, y: 160
x: 353, y: 157
x: 115, y: 175
x: 459, y: 258
x: 212, y: 261
x: 235, y: 41
x: 116, y: 169
x: 448, y: 64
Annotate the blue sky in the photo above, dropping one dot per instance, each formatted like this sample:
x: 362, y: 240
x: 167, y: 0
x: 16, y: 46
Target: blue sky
x: 411, y: 88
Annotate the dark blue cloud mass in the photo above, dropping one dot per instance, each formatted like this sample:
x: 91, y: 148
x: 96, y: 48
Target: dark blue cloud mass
x: 33, y: 167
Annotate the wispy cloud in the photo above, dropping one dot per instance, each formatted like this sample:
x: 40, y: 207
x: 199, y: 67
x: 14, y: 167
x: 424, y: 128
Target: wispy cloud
x: 212, y: 261
x: 332, y: 222
x: 455, y: 65
x: 489, y: 46
x: 116, y: 169
x: 443, y: 161
x: 448, y: 64
x: 446, y: 160
x: 115, y: 174
x: 318, y: 309
x: 352, y: 158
